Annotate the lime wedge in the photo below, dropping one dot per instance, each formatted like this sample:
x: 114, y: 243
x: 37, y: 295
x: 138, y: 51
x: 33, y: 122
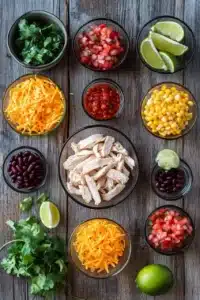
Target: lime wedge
x: 151, y: 55
x: 163, y: 43
x: 49, y: 214
x: 167, y: 159
x: 170, y: 29
x: 170, y: 61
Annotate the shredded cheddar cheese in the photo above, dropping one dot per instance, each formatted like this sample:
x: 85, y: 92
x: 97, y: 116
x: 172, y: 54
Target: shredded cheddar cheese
x: 99, y: 245
x: 36, y: 105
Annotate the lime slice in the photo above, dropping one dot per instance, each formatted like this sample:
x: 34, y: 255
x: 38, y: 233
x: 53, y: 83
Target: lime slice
x: 151, y: 55
x: 170, y: 61
x: 163, y: 43
x: 170, y: 29
x: 49, y: 214
x: 168, y: 159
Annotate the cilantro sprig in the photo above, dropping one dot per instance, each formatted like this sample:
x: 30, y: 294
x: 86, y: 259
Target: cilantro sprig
x: 38, y: 44
x: 36, y: 255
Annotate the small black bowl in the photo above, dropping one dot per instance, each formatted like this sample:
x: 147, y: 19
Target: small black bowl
x: 44, y: 18
x: 7, y: 178
x: 187, y: 242
x: 189, y: 40
x: 117, y: 27
x: 174, y: 195
x: 114, y: 86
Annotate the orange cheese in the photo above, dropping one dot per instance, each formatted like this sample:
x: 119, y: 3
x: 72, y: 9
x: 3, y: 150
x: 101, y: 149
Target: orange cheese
x: 36, y: 105
x: 99, y: 245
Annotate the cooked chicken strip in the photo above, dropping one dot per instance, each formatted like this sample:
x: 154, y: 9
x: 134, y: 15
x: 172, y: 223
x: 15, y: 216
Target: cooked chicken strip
x: 117, y: 157
x: 117, y: 176
x: 114, y: 192
x: 76, y: 178
x: 96, y: 164
x: 101, y: 182
x: 73, y: 161
x: 102, y: 191
x: 130, y: 162
x: 96, y: 151
x: 117, y: 147
x: 93, y: 189
x: 90, y: 141
x: 84, y: 152
x: 103, y: 171
x: 85, y: 193
x: 79, y: 167
x: 72, y: 189
x: 107, y: 146
x: 109, y: 184
x: 120, y: 165
x: 125, y: 171
x: 75, y: 147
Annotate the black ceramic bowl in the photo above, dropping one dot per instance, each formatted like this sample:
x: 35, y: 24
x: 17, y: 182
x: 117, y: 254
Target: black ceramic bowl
x: 8, y: 178
x: 42, y: 17
x: 117, y: 27
x: 189, y: 40
x: 188, y: 240
x: 174, y: 195
x: 114, y: 86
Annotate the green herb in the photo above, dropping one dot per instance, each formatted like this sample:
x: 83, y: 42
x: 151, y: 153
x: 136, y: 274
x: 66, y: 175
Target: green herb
x: 26, y: 204
x: 42, y: 198
x: 38, y: 44
x: 37, y: 256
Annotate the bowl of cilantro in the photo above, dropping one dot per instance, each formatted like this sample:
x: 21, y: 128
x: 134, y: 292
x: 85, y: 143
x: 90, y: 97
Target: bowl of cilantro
x: 37, y: 40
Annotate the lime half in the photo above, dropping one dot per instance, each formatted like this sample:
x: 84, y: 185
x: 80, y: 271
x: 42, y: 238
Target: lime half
x: 154, y: 280
x: 168, y: 159
x: 170, y: 61
x: 163, y: 43
x: 49, y: 214
x: 171, y: 29
x: 151, y: 55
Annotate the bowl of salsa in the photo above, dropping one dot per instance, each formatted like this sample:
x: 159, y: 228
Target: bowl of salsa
x: 103, y: 99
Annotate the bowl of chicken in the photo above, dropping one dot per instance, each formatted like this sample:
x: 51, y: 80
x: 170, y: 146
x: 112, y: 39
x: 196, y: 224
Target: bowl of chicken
x: 98, y: 166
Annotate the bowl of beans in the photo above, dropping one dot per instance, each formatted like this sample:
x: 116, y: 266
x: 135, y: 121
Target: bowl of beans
x: 101, y: 45
x: 169, y: 110
x: 172, y: 184
x: 169, y: 230
x: 25, y: 169
x: 103, y: 99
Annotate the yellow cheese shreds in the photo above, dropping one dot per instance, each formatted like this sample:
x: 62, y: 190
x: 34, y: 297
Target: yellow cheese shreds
x: 35, y: 105
x: 99, y: 245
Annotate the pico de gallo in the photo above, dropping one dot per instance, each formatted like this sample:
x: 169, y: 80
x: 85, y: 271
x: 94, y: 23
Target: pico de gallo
x: 100, y: 47
x: 168, y: 229
x: 101, y: 101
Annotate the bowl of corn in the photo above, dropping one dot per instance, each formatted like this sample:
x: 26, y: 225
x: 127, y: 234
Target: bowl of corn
x: 169, y: 110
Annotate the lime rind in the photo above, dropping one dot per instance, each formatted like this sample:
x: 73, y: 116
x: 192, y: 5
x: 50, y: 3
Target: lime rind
x: 168, y: 159
x: 171, y: 29
x: 170, y: 61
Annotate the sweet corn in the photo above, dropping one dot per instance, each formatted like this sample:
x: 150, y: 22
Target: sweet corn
x: 167, y: 111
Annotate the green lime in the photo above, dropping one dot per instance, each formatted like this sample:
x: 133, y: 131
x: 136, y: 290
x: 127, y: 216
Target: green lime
x: 171, y: 29
x: 170, y: 61
x: 49, y: 214
x: 154, y: 280
x: 163, y: 43
x: 151, y: 55
x: 167, y: 159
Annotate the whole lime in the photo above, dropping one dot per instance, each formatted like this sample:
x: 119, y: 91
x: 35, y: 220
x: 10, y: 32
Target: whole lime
x: 154, y: 279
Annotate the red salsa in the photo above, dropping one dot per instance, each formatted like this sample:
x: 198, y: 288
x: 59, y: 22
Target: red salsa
x: 102, y: 101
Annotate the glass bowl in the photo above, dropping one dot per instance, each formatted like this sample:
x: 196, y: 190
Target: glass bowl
x: 43, y: 17
x: 117, y: 27
x: 114, y: 86
x: 7, y: 178
x: 189, y: 40
x: 174, y: 195
x: 6, y: 101
x: 123, y: 261
x: 105, y: 130
x: 193, y: 109
x: 188, y: 240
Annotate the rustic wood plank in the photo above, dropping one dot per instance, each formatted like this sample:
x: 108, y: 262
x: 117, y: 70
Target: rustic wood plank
x: 12, y: 288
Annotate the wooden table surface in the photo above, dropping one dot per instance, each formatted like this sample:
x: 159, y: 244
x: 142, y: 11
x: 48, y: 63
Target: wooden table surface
x: 135, y: 79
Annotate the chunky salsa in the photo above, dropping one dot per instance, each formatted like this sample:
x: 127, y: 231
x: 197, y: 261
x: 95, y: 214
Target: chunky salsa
x: 102, y: 101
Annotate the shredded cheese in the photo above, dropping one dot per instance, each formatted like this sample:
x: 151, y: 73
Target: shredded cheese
x: 36, y: 105
x: 99, y: 245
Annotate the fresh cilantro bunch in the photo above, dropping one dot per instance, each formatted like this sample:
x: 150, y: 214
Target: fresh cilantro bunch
x: 37, y: 256
x: 38, y: 44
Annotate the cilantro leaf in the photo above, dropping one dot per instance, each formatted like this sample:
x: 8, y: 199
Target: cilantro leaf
x: 26, y: 204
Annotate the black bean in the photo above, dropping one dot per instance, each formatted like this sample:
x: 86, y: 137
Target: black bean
x: 19, y: 161
x: 14, y: 170
x: 18, y: 169
x: 30, y: 158
x: 162, y: 189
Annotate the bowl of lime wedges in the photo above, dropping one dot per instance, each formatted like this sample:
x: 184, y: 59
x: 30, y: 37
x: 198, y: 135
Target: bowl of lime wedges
x: 166, y: 44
